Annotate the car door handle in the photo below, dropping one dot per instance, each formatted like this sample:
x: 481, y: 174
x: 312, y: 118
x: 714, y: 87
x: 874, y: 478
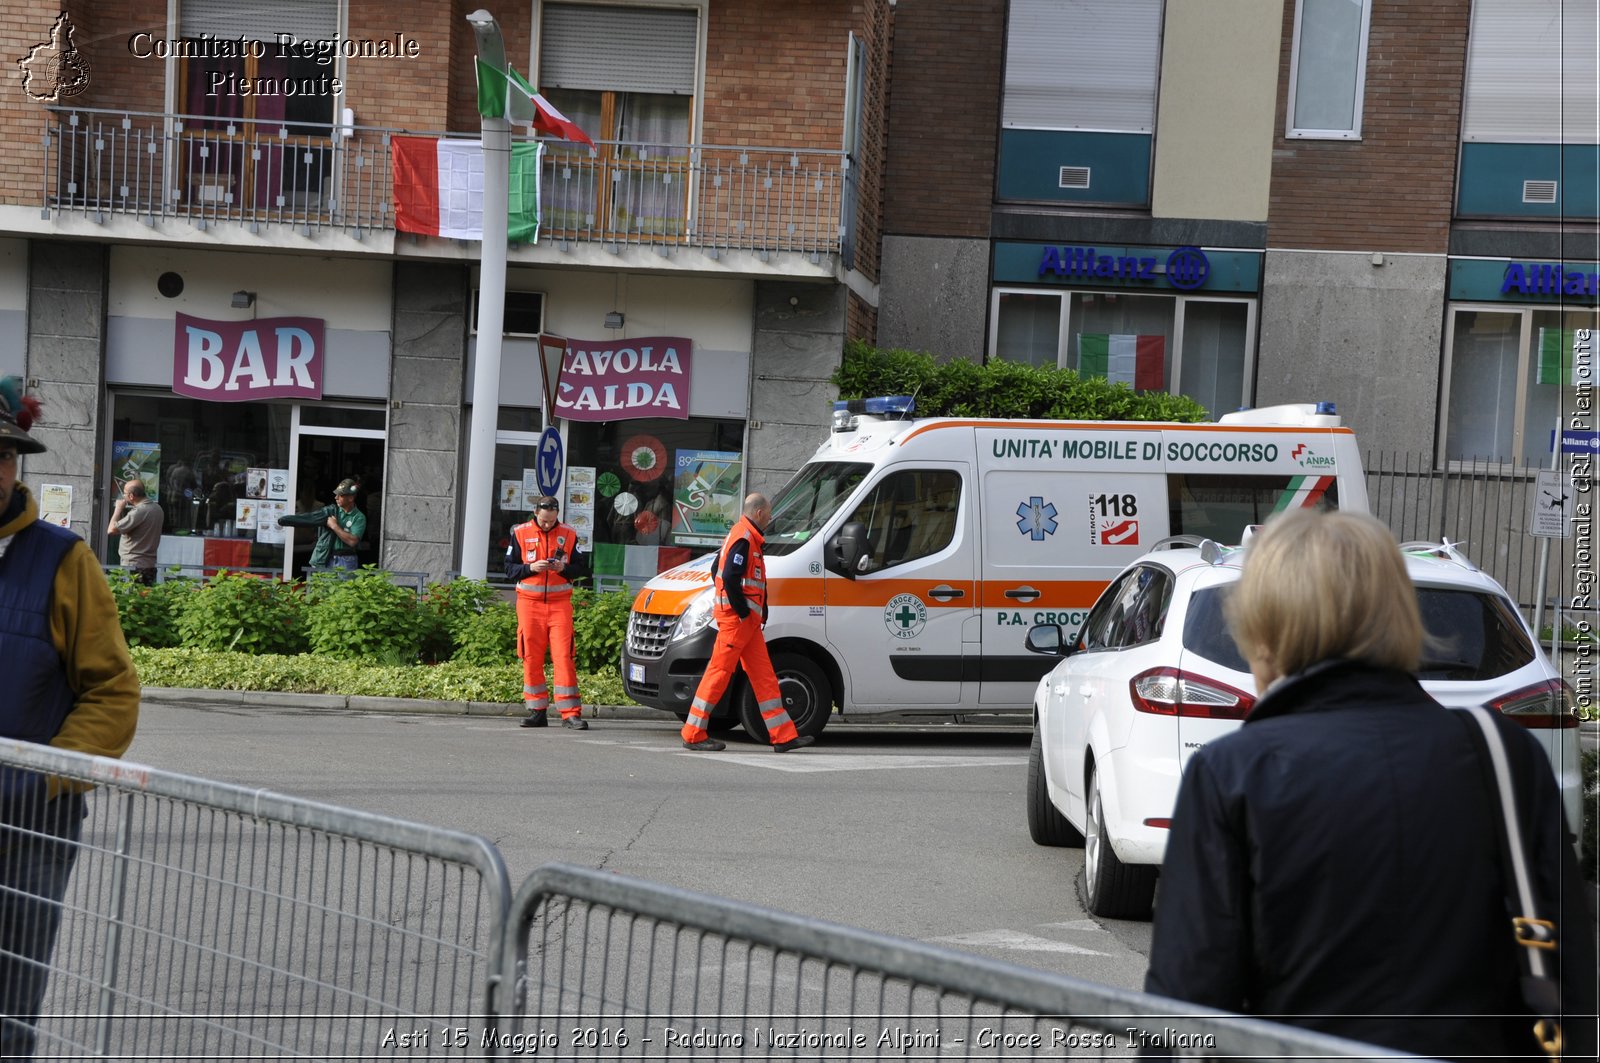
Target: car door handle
x: 1022, y: 594
x: 945, y: 593
x: 1086, y: 691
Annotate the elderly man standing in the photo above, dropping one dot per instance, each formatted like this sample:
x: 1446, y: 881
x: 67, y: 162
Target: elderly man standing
x: 138, y: 520
x: 740, y: 610
x: 340, y: 528
x: 70, y: 684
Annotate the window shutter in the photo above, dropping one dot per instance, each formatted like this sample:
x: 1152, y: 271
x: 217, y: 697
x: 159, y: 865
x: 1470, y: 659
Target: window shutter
x: 1083, y: 64
x: 1531, y: 72
x: 618, y: 49
x: 309, y: 20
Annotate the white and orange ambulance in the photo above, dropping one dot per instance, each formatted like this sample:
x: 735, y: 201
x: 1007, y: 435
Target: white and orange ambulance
x: 908, y: 558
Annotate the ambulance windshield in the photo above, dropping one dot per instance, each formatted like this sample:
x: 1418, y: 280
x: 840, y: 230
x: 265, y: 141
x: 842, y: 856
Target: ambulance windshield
x: 808, y: 501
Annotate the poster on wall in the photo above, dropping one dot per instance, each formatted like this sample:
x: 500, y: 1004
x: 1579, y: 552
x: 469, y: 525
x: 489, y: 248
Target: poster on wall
x: 142, y: 460
x: 512, y: 497
x: 579, y: 511
x: 278, y: 483
x: 245, y: 511
x: 256, y: 483
x: 55, y: 504
x: 705, y: 496
x: 267, y: 513
x: 530, y: 487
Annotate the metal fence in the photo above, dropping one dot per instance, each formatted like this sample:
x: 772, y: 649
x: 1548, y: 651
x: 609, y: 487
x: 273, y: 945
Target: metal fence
x: 212, y: 921
x: 603, y: 966
x: 1484, y: 505
x: 207, y: 171
x: 208, y: 921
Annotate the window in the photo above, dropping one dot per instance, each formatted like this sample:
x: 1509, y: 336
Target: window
x: 1327, y: 74
x: 523, y: 315
x: 1516, y: 91
x: 1220, y: 508
x: 1131, y: 611
x: 258, y: 125
x: 1512, y: 379
x: 626, y: 76
x: 1189, y: 345
x: 1090, y: 65
x: 909, y: 515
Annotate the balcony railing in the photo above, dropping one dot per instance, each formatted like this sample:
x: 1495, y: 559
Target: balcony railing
x: 206, y: 172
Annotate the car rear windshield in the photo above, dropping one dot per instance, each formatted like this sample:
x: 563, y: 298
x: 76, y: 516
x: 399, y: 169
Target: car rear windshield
x: 1471, y: 635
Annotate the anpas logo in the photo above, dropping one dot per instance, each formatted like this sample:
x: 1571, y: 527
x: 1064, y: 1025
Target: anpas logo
x: 1307, y: 458
x: 905, y: 616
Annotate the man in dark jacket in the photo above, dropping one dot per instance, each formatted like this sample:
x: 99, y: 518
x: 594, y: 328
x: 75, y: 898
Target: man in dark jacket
x: 1333, y: 862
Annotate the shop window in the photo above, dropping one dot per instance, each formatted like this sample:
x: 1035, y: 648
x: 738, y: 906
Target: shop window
x: 652, y: 493
x: 257, y: 125
x: 1327, y: 75
x: 909, y: 515
x: 1512, y: 377
x: 1028, y: 328
x: 626, y: 76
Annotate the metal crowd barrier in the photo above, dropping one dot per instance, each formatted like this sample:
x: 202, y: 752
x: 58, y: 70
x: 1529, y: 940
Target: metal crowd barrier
x: 205, y: 920
x: 603, y: 966
x: 210, y: 921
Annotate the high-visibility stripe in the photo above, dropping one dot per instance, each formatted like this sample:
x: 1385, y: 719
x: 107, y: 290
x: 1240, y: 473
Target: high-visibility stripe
x: 545, y: 590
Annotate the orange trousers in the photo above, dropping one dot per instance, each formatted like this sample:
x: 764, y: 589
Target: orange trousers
x: 542, y: 626
x: 739, y: 642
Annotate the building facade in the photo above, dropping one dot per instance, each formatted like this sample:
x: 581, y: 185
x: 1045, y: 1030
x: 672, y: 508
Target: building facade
x: 205, y: 282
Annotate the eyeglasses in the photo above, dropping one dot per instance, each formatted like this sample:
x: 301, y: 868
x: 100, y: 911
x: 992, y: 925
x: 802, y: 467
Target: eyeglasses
x: 549, y: 506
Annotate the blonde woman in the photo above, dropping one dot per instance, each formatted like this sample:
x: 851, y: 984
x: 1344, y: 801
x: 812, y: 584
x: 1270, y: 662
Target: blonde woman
x: 1333, y: 863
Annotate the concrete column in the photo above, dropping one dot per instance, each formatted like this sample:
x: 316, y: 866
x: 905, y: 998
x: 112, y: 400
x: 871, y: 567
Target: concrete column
x: 426, y: 380
x: 934, y: 296
x: 797, y: 346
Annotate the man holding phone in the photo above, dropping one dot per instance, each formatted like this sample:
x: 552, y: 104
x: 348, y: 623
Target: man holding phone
x: 543, y: 561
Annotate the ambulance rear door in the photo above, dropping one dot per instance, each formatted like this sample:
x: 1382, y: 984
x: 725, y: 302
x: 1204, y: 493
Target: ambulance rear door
x: 1065, y: 508
x: 901, y: 624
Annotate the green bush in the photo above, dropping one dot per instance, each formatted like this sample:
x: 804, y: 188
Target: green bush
x: 447, y: 610
x: 599, y: 628
x: 363, y: 617
x: 149, y: 615
x: 488, y: 637
x: 234, y: 611
x: 962, y: 388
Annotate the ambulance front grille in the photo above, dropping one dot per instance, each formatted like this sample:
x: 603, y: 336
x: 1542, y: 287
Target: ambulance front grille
x: 648, y: 634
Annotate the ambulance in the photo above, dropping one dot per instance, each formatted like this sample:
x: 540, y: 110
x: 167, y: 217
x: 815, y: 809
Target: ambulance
x: 908, y: 558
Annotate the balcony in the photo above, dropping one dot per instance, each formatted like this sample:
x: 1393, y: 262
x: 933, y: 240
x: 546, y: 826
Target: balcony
x: 273, y: 178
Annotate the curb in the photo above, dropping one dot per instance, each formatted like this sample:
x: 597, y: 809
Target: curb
x: 193, y: 698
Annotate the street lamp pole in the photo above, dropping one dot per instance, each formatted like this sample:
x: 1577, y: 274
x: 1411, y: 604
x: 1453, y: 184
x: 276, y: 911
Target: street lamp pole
x: 491, y: 314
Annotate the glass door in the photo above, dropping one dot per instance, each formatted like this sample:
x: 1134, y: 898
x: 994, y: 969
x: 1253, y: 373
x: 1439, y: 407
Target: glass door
x: 330, y: 444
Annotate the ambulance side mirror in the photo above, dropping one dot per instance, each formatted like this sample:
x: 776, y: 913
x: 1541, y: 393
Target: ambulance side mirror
x: 847, y: 548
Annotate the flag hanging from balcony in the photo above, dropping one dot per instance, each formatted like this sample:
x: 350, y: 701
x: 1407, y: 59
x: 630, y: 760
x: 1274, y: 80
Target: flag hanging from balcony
x: 438, y: 188
x: 507, y: 94
x: 1126, y: 358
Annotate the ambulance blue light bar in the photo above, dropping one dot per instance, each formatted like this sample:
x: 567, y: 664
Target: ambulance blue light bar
x: 848, y: 412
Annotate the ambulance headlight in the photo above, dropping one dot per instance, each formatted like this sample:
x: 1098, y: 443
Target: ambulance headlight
x: 695, y: 618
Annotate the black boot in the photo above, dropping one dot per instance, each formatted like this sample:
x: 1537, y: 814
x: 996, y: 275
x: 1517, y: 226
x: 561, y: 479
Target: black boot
x: 536, y: 719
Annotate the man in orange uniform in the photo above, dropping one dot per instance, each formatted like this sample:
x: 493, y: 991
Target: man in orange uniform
x: 740, y: 610
x: 542, y: 559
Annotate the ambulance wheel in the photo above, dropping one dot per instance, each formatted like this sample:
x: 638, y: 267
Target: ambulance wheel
x: 807, y: 697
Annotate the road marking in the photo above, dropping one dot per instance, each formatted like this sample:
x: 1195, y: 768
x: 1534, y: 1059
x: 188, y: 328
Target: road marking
x: 811, y: 761
x: 1076, y: 924
x: 1014, y: 940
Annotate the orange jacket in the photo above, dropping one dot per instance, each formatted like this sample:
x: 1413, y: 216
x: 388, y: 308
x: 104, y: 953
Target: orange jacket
x: 741, y: 571
x: 530, y: 543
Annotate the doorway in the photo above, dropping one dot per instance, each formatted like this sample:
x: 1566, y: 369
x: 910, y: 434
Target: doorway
x: 326, y: 453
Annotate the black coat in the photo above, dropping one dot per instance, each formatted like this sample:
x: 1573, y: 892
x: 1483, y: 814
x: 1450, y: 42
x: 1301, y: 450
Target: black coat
x: 1333, y: 864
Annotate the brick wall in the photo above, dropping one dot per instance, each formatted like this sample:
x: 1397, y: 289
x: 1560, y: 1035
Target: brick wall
x: 775, y: 73
x: 403, y: 93
x: 1393, y: 189
x: 944, y: 117
x: 861, y: 319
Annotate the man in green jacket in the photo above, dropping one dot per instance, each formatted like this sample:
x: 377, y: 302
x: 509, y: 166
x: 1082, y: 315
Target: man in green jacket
x: 340, y: 528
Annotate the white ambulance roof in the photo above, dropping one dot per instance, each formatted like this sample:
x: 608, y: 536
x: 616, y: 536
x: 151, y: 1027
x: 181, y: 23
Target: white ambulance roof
x: 1295, y: 414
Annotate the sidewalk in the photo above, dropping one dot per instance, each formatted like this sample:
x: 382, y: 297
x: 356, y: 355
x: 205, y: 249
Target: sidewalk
x: 194, y: 698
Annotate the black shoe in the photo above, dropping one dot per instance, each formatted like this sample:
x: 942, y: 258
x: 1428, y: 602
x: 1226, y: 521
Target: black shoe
x: 536, y: 719
x: 706, y: 745
x: 792, y: 744
x: 574, y: 723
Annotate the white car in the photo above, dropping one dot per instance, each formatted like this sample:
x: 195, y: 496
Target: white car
x: 1154, y: 675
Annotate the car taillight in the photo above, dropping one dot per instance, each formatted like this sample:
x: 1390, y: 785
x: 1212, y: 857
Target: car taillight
x: 1173, y: 692
x: 1546, y: 704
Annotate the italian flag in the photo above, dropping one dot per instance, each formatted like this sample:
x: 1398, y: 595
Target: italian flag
x: 507, y: 94
x: 438, y: 189
x: 1125, y: 358
x: 1559, y: 356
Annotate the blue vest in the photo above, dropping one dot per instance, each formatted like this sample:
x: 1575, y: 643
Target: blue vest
x: 35, y: 697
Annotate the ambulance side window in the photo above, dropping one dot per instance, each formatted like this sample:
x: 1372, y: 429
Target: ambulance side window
x: 910, y: 514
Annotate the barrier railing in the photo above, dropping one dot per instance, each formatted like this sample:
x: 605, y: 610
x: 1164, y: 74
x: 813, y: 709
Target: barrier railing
x: 205, y: 920
x: 212, y: 921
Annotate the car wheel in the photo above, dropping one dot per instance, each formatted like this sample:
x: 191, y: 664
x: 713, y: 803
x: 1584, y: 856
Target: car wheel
x: 1111, y: 889
x: 807, y: 697
x: 1046, y: 824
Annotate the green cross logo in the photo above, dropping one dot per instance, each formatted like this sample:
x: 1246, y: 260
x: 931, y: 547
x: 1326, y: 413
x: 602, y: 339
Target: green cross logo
x: 905, y: 616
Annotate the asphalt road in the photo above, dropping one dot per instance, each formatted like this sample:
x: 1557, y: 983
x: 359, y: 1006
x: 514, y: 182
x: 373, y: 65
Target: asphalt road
x: 914, y: 831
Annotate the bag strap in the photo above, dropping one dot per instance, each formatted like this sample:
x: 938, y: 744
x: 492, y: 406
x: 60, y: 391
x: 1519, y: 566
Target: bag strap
x: 1536, y: 936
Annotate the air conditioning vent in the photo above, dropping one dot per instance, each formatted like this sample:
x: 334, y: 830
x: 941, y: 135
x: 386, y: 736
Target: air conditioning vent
x: 1074, y: 177
x: 1538, y: 191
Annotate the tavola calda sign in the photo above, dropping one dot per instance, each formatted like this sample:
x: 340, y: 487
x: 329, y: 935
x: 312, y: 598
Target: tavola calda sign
x: 615, y: 380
